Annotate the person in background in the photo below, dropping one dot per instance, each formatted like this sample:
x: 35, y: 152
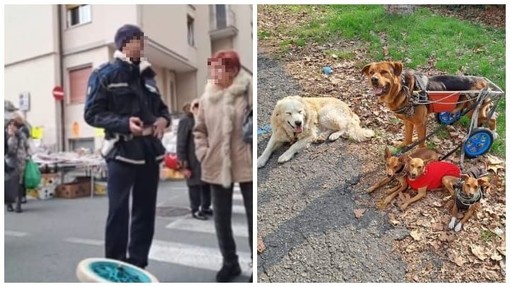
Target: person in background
x: 199, y: 191
x: 18, y: 152
x: 226, y: 159
x: 123, y: 99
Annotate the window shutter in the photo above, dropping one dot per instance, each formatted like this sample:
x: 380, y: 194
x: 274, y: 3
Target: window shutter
x: 78, y: 80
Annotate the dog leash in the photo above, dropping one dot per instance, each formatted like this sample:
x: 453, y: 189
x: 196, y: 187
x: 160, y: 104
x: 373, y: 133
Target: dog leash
x: 412, y: 145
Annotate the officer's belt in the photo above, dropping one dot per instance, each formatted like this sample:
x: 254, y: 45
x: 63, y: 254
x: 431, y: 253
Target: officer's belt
x: 148, y: 131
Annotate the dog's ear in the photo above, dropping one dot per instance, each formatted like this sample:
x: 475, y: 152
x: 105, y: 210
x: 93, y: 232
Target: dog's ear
x: 483, y: 181
x: 277, y: 110
x: 365, y: 69
x: 387, y: 153
x: 397, y: 68
x: 406, y: 158
x: 427, y: 161
x: 464, y: 176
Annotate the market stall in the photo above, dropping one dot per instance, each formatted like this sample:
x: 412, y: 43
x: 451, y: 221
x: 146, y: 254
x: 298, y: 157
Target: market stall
x: 56, y: 167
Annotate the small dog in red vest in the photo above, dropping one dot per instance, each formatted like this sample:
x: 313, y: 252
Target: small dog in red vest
x: 425, y: 176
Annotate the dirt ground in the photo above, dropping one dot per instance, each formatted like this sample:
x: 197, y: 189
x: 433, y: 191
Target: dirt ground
x: 315, y: 220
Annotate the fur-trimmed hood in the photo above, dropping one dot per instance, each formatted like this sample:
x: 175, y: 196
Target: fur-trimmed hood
x: 239, y: 86
x: 225, y: 157
x: 144, y: 64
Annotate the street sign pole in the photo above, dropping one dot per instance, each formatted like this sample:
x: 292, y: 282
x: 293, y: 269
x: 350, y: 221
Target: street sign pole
x: 58, y: 95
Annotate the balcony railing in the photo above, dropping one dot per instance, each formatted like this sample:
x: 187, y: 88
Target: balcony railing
x: 223, y: 22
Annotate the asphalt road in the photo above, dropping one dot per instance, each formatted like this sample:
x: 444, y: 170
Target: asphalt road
x: 48, y: 240
x: 306, y: 207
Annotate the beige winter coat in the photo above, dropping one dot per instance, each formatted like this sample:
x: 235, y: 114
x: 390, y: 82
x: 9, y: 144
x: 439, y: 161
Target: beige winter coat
x: 225, y: 157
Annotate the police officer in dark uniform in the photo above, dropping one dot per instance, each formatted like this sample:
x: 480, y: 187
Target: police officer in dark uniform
x: 123, y: 99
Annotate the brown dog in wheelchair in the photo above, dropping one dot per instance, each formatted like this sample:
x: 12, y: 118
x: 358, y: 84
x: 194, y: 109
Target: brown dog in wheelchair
x: 394, y: 87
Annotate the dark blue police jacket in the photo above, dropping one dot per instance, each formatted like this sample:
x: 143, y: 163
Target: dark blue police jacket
x: 120, y: 90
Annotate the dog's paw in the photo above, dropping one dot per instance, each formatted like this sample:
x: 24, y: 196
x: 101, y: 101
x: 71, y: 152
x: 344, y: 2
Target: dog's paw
x: 452, y: 223
x: 261, y: 162
x: 284, y: 158
x: 495, y: 135
x: 404, y: 206
x: 458, y: 227
x: 381, y: 204
x: 336, y: 135
x: 319, y: 140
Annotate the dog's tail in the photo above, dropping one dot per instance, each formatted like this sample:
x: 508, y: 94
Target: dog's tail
x: 360, y: 134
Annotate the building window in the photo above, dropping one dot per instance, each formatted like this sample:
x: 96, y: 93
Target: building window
x: 78, y: 14
x: 221, y: 16
x: 191, y: 31
x: 78, y: 80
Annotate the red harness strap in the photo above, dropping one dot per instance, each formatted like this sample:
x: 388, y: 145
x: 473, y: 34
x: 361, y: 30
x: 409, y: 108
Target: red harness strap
x: 433, y: 174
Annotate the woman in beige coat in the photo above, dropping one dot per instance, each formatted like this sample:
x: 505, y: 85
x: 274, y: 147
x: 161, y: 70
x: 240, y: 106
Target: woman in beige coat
x: 225, y: 157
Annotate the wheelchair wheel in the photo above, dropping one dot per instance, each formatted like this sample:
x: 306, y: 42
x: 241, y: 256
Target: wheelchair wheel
x: 447, y: 118
x: 478, y: 143
x: 109, y: 270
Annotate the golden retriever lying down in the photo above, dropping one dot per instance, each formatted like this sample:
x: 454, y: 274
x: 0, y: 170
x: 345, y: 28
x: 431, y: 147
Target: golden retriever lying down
x: 302, y: 121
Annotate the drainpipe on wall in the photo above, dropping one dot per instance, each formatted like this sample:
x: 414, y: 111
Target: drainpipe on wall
x: 61, y: 59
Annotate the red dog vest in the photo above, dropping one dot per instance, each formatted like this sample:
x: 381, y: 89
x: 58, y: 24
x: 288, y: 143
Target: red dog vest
x: 434, y: 172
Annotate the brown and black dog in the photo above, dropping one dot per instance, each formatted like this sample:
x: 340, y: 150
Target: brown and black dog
x: 467, y: 192
x: 386, y: 80
x: 396, y: 168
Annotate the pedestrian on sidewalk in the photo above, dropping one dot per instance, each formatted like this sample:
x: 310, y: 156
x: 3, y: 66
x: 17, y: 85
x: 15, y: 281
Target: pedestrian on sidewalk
x: 199, y: 191
x: 123, y: 99
x: 226, y: 159
x: 16, y: 157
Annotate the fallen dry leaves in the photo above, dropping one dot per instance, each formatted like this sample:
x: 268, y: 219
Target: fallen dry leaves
x: 359, y: 212
x: 260, y: 245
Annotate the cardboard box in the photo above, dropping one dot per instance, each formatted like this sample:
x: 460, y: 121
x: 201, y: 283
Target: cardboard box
x: 79, y: 188
x: 45, y: 190
x: 100, y: 187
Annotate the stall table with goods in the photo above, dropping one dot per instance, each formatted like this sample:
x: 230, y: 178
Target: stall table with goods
x: 57, y: 167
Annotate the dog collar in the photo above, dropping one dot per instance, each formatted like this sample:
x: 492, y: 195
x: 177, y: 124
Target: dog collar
x: 401, y: 171
x: 408, y: 108
x: 465, y: 202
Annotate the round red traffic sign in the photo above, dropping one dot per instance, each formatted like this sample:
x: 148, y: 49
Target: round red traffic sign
x: 58, y: 93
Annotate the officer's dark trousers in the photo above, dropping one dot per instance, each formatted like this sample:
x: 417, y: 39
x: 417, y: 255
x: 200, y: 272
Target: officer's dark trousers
x: 222, y: 206
x: 120, y: 235
x: 200, y: 197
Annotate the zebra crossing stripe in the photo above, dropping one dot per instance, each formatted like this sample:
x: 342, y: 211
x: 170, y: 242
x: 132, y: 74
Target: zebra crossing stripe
x: 85, y: 241
x: 15, y: 233
x: 190, y: 224
x: 182, y: 254
x: 194, y: 256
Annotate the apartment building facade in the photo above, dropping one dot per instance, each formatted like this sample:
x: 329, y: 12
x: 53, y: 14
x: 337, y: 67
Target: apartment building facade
x: 60, y: 45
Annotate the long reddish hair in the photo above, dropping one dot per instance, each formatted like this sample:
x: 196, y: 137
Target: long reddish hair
x: 228, y: 58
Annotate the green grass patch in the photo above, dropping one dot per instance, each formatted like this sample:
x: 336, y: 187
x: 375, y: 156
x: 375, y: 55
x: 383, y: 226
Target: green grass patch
x: 262, y: 35
x: 464, y: 121
x: 344, y: 54
x: 431, y: 145
x: 488, y: 235
x: 395, y: 120
x: 442, y: 133
x: 454, y: 45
